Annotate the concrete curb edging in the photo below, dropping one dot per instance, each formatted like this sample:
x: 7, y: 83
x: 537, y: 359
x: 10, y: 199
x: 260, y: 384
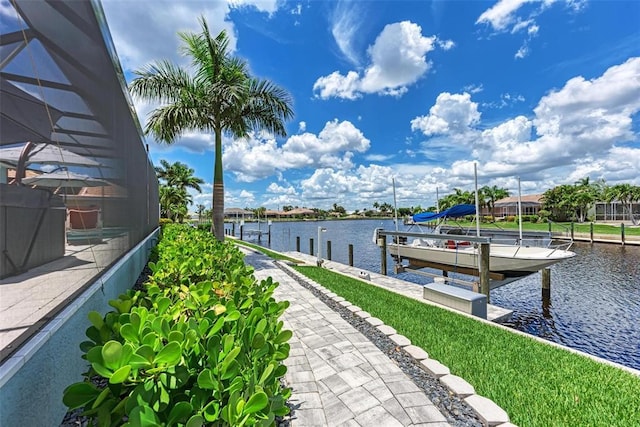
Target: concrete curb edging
x: 488, y: 411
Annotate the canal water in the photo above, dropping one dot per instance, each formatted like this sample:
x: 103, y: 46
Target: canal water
x: 595, y: 296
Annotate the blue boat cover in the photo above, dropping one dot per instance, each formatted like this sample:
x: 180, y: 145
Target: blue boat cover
x: 453, y: 212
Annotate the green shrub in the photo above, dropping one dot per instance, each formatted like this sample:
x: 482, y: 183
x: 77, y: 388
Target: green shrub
x: 165, y: 221
x: 205, y: 226
x: 201, y: 345
x: 512, y: 218
x: 543, y: 215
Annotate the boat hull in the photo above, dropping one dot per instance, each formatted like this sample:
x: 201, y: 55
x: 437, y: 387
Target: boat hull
x: 510, y: 261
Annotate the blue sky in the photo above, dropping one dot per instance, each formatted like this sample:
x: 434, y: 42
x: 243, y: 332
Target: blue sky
x: 548, y: 91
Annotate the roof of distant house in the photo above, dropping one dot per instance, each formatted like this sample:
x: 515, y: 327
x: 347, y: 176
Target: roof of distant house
x: 237, y: 211
x: 530, y: 199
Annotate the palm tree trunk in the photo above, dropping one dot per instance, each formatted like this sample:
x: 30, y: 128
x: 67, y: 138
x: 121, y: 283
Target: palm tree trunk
x: 218, y: 190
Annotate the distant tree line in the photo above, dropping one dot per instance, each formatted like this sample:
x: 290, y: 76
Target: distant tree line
x: 571, y: 202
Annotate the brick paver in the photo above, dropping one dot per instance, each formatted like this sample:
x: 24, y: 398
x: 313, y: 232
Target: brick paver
x: 337, y: 376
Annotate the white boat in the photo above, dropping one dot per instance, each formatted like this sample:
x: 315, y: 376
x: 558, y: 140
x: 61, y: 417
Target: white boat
x: 507, y: 262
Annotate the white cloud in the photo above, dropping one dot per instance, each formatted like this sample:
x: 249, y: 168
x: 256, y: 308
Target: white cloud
x: 593, y: 113
x: 378, y: 157
x: 452, y: 113
x: 137, y: 45
x: 446, y: 44
x: 247, y: 195
x: 278, y: 189
x: 522, y: 52
x: 397, y: 60
x: 509, y: 16
x: 363, y: 184
x: 302, y: 126
x: 339, y: 86
x: 345, y: 25
x: 506, y: 100
x: 586, y: 119
x: 473, y: 88
x: 515, y: 131
x: 585, y: 128
x: 502, y: 14
x: 259, y: 157
x: 267, y: 6
x: 297, y: 10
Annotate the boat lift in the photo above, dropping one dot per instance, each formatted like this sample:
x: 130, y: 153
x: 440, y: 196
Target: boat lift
x: 415, y: 265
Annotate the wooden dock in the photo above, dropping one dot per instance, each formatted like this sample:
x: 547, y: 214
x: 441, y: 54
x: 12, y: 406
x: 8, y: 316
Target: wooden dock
x: 402, y: 287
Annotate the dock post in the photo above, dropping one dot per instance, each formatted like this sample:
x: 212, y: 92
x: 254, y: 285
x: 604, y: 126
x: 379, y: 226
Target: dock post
x: 350, y: 255
x: 329, y: 250
x: 233, y: 228
x: 311, y: 246
x: 297, y: 243
x: 572, y: 231
x: 484, y: 270
x: 591, y: 232
x: 382, y: 242
x: 269, y: 233
x: 622, y: 233
x: 546, y: 283
x: 241, y: 227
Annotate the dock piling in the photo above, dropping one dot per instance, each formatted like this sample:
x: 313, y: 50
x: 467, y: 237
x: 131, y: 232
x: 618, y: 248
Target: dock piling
x: 241, y: 227
x: 350, y: 255
x: 311, y: 246
x: 297, y: 243
x: 329, y: 250
x: 622, y: 233
x: 484, y: 271
x: 546, y: 283
x: 382, y: 242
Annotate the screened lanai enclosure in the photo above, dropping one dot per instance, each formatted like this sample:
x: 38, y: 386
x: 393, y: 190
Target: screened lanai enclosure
x: 77, y: 188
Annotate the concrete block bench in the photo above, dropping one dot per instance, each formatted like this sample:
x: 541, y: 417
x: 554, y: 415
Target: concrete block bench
x: 459, y: 299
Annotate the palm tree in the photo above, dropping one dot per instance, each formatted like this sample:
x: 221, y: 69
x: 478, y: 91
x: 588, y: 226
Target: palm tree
x: 173, y: 202
x: 201, y: 212
x: 626, y: 194
x: 492, y: 194
x: 178, y: 175
x: 220, y: 97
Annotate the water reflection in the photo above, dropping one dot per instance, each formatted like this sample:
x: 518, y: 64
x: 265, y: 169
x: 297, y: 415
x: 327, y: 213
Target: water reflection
x: 595, y: 296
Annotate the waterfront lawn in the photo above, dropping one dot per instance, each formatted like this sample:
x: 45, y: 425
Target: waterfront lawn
x: 537, y: 384
x: 267, y: 252
x: 556, y: 227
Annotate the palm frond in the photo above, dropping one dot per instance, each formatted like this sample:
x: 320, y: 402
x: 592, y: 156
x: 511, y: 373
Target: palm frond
x: 161, y: 81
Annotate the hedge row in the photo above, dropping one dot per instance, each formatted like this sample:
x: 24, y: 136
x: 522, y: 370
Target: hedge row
x: 201, y: 344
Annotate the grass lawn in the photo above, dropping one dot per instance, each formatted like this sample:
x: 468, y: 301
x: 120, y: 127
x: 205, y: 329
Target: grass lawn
x: 555, y: 227
x: 267, y: 252
x: 538, y: 385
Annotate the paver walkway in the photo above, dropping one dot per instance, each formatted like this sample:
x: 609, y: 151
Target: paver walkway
x: 337, y: 376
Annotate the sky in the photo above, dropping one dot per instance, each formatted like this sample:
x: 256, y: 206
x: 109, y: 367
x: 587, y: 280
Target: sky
x: 414, y: 92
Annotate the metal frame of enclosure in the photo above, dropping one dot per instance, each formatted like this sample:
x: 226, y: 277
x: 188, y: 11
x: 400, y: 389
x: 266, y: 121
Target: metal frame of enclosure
x: 615, y: 211
x: 64, y: 93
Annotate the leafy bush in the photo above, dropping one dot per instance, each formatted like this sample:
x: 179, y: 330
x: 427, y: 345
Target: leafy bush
x: 165, y: 221
x: 205, y: 226
x: 543, y: 215
x: 201, y: 345
x: 512, y: 218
